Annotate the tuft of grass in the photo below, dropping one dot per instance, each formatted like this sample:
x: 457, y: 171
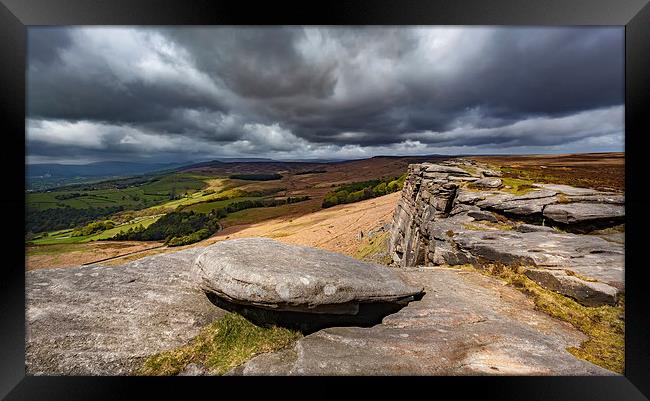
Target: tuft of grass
x: 470, y: 169
x: 518, y: 186
x: 620, y: 228
x: 603, y: 325
x: 221, y: 346
x: 488, y: 225
x: 375, y: 250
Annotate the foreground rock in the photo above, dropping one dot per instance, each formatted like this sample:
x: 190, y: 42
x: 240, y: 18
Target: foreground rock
x: 589, y: 293
x: 268, y: 274
x: 99, y: 320
x: 466, y: 324
x: 440, y: 220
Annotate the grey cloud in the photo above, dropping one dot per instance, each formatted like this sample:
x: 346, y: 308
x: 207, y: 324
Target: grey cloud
x: 328, y: 89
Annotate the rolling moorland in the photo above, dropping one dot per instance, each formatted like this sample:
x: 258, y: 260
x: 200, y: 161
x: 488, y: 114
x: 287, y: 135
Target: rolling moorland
x: 250, y: 200
x: 99, y: 220
x: 55, y: 217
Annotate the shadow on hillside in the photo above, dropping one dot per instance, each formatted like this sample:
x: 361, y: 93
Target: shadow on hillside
x: 368, y: 315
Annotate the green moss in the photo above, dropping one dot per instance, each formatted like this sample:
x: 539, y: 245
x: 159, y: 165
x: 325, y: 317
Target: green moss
x: 488, y: 225
x: 603, y: 325
x: 518, y: 186
x: 375, y: 250
x: 221, y: 346
x: 470, y: 169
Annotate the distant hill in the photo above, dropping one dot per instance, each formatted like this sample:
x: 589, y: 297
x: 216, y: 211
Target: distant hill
x: 43, y: 176
x: 99, y: 169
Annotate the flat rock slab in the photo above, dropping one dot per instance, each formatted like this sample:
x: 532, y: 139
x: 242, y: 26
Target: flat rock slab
x: 466, y: 324
x: 439, y: 168
x: 487, y: 183
x: 588, y: 293
x: 571, y: 213
x: 528, y: 204
x: 268, y: 274
x: 567, y: 189
x: 480, y: 215
x: 100, y: 320
x: 587, y: 255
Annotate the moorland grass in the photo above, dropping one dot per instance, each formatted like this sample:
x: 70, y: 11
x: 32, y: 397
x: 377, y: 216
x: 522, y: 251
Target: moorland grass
x: 603, y: 325
x: 221, y: 346
x: 375, y: 249
x: 518, y: 186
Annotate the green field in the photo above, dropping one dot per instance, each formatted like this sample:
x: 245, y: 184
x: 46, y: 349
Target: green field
x: 63, y: 236
x: 207, y: 207
x: 130, y: 198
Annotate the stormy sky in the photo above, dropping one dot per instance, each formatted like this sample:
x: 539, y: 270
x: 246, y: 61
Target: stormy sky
x: 184, y: 94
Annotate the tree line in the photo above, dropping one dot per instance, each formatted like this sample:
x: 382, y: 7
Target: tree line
x: 175, y: 227
x: 363, y: 190
x: 256, y: 177
x: 183, y: 228
x: 65, y: 217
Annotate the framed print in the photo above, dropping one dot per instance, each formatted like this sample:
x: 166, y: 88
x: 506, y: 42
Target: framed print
x: 450, y: 191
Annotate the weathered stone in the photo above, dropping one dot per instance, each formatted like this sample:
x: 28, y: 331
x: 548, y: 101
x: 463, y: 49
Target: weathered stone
x: 520, y: 207
x: 466, y: 324
x: 618, y: 238
x: 587, y: 255
x: 487, y: 183
x: 470, y: 197
x: 491, y: 173
x: 427, y: 212
x: 529, y: 228
x: 462, y: 208
x: 482, y: 216
x: 526, y: 204
x: 566, y: 189
x: 615, y: 199
x: 571, y: 213
x: 268, y: 274
x: 195, y: 370
x: 100, y: 320
x: 588, y: 293
x: 444, y: 254
x: 438, y: 168
x: 465, y: 179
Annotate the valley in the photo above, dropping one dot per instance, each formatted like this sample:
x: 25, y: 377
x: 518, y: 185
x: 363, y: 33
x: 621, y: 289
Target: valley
x: 207, y: 186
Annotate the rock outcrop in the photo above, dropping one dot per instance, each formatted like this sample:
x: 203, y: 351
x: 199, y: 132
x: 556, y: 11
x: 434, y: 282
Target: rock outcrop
x: 101, y: 320
x: 466, y: 324
x: 440, y: 220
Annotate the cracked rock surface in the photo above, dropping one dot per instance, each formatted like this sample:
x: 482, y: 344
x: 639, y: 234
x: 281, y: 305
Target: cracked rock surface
x: 101, y: 320
x: 466, y: 324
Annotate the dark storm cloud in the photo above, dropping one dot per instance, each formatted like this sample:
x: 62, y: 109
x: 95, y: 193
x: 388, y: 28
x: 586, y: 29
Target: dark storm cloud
x: 293, y: 92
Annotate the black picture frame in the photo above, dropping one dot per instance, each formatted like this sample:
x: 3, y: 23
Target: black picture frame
x: 16, y: 15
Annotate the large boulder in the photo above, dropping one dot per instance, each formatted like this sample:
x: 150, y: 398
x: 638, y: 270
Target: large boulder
x: 268, y: 274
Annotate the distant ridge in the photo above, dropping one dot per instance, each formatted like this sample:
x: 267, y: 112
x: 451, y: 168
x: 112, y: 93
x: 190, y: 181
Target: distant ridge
x: 98, y: 169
